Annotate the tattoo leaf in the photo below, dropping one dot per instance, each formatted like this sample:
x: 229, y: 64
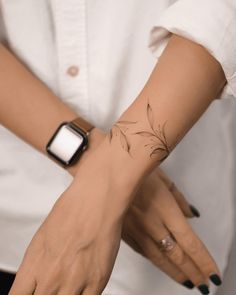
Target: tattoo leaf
x: 150, y: 115
x: 157, y: 150
x: 126, y: 122
x: 124, y: 142
x: 110, y: 135
x: 145, y: 133
x: 163, y: 131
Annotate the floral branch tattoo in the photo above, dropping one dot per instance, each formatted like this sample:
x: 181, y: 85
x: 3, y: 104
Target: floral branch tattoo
x: 157, y: 136
x: 158, y: 141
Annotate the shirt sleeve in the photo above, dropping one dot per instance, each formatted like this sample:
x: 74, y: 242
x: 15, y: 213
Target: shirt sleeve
x: 210, y: 23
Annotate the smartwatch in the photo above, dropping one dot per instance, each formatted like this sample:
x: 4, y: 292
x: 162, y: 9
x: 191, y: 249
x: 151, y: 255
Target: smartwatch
x: 69, y: 141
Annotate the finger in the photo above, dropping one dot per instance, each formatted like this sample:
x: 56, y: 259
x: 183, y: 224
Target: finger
x: 23, y: 285
x: 184, y: 262
x: 154, y: 255
x: 147, y: 248
x: 73, y: 282
x: 48, y: 280
x: 69, y: 289
x: 187, y: 209
x: 176, y: 223
x: 176, y: 255
x: 42, y: 289
x: 92, y: 290
x: 25, y: 280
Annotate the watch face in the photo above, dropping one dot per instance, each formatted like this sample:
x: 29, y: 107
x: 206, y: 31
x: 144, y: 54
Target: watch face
x: 66, y: 144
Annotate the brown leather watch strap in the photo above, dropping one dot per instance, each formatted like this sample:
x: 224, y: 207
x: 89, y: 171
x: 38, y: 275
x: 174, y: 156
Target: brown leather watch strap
x: 82, y: 124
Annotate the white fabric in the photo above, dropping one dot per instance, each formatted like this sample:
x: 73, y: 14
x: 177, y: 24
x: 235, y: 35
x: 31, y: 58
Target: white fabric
x: 210, y: 23
x: 111, y: 43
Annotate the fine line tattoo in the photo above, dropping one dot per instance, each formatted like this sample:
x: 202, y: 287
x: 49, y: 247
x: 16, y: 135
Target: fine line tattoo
x: 157, y: 136
x: 120, y: 128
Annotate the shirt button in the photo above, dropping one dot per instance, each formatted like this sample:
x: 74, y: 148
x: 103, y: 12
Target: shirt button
x: 73, y: 71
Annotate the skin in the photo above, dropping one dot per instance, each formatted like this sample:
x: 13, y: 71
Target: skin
x: 158, y: 142
x: 183, y: 262
x: 110, y: 176
x: 158, y: 203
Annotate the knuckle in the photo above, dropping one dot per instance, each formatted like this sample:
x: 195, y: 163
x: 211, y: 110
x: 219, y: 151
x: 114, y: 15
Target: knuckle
x: 158, y: 260
x: 192, y: 244
x: 178, y: 256
x: 92, y: 289
x: 154, y: 255
x: 44, y: 287
x: 98, y: 279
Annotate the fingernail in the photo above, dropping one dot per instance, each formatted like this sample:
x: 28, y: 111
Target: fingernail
x: 194, y: 210
x: 204, y: 289
x: 188, y: 284
x: 215, y: 279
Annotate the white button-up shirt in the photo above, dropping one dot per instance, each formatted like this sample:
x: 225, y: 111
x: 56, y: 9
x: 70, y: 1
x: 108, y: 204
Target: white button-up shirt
x: 96, y: 56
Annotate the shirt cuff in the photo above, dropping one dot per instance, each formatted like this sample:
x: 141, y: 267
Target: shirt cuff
x: 211, y: 24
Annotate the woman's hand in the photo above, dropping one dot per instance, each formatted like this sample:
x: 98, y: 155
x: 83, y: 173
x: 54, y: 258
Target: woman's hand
x: 158, y: 212
x: 138, y: 225
x: 74, y: 250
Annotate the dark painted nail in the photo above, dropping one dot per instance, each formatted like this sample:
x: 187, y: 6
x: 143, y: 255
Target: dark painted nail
x: 204, y: 289
x: 215, y: 279
x: 194, y: 210
x: 188, y: 284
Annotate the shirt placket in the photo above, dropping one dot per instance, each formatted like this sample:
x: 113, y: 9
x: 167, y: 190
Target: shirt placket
x: 70, y: 29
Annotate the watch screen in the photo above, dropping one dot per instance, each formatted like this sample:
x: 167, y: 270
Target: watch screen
x: 66, y: 143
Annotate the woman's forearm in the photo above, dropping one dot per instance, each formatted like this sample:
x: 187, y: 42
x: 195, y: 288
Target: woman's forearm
x: 27, y: 107
x: 181, y: 87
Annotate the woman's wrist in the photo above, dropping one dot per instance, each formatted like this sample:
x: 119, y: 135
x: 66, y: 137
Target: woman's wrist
x: 96, y: 136
x: 101, y: 170
x: 121, y: 167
